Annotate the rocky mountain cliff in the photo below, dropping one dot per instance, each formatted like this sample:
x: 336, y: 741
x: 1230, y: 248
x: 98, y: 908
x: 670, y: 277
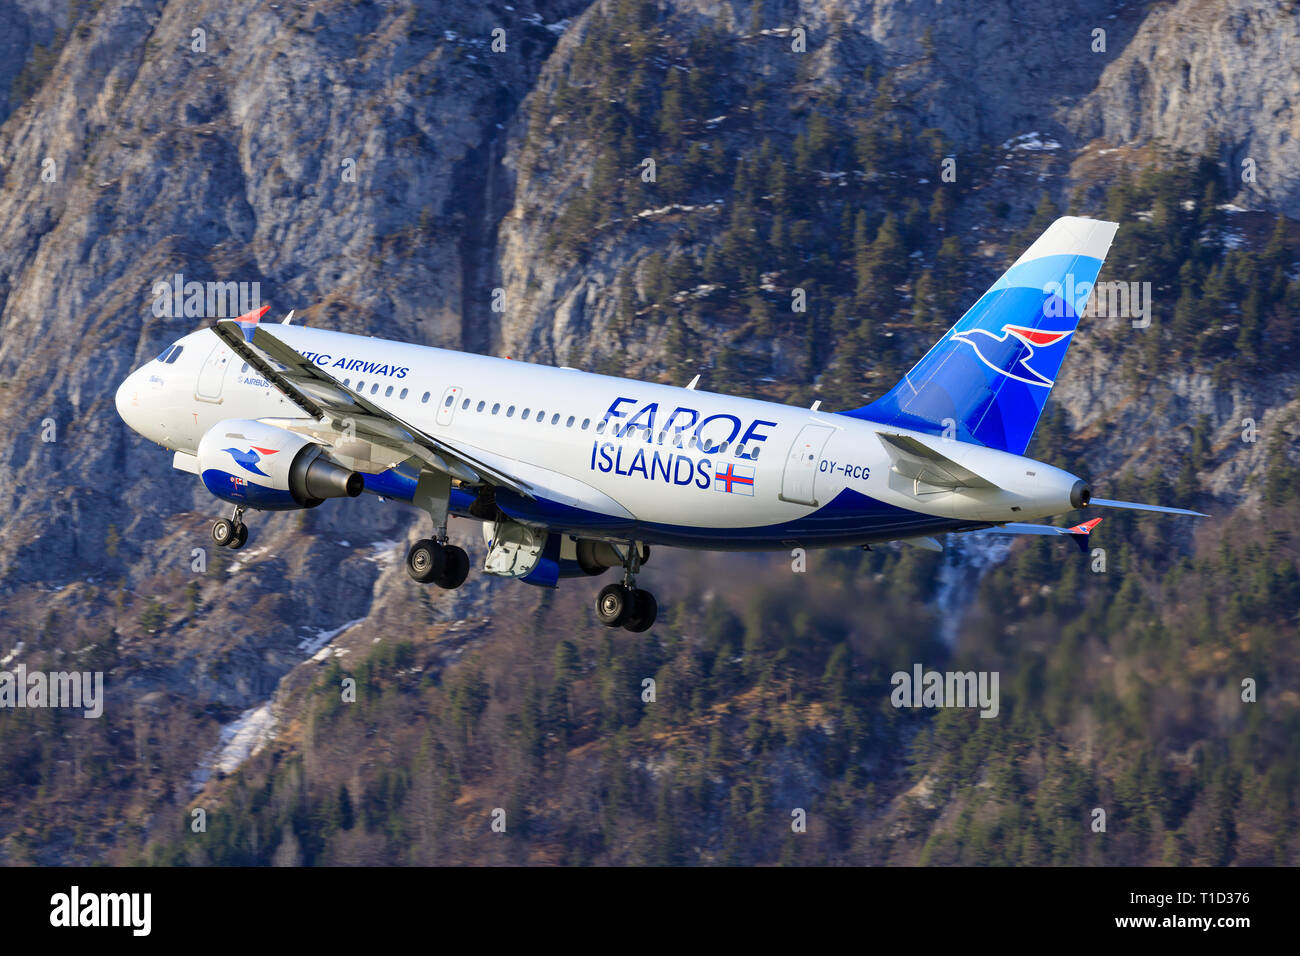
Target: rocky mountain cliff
x: 380, y: 168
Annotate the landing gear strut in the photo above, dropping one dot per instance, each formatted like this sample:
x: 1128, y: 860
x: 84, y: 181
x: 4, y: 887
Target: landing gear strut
x: 433, y: 560
x: 231, y: 532
x: 625, y: 605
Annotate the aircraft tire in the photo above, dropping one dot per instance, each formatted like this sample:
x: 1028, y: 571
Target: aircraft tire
x: 612, y: 604
x: 426, y: 560
x: 643, y: 612
x: 455, y: 568
x: 223, y: 532
x: 241, y: 537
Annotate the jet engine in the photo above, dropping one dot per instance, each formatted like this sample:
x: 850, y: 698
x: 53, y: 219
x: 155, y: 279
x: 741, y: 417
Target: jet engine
x: 261, y: 466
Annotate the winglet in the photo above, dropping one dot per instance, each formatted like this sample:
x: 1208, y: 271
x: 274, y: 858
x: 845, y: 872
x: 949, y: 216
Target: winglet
x: 248, y: 321
x: 254, y: 315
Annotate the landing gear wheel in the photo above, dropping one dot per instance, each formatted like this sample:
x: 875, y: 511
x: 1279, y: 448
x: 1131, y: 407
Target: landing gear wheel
x: 455, y: 568
x: 642, y: 613
x: 223, y: 532
x: 426, y: 560
x: 240, y: 539
x: 612, y: 604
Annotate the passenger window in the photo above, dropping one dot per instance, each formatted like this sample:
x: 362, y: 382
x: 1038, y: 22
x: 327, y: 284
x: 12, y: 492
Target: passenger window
x: 402, y: 394
x: 600, y: 426
x: 510, y: 412
x: 722, y: 449
x: 585, y: 423
x: 481, y: 406
x: 496, y: 408
x: 347, y: 383
x: 464, y: 405
x: 555, y: 419
x: 388, y: 392
x: 447, y: 403
x: 374, y: 388
x: 243, y: 368
x: 569, y: 423
x: 424, y: 400
x: 361, y: 386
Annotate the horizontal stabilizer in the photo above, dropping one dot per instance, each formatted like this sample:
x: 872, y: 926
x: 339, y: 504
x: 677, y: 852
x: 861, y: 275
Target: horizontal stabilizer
x: 1135, y: 506
x: 916, y: 460
x: 1079, y: 533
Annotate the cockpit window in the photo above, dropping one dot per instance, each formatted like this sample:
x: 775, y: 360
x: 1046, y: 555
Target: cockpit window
x: 171, y: 354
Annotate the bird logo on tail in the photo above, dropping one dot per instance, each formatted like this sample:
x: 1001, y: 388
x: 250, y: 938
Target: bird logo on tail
x: 997, y: 351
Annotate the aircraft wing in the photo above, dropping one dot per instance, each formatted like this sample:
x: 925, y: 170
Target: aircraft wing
x: 319, y: 395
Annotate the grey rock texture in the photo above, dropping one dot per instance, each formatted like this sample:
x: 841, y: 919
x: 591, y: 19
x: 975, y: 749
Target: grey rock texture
x: 1204, y: 72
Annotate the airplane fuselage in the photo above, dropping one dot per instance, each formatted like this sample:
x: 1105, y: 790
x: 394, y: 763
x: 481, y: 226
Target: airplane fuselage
x: 612, y: 458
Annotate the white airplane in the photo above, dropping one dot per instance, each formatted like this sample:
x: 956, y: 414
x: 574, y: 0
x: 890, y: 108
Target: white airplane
x: 574, y: 473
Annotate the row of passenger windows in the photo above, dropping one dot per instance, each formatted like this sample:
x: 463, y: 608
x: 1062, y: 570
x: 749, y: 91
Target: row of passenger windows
x: 639, y: 431
x: 540, y: 416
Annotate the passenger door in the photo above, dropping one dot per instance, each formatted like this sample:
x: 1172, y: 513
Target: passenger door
x: 213, y: 373
x: 797, y: 483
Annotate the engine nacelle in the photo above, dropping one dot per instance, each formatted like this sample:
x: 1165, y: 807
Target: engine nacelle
x: 268, y: 468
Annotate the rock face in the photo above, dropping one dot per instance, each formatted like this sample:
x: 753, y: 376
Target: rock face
x: 381, y: 169
x: 1201, y: 72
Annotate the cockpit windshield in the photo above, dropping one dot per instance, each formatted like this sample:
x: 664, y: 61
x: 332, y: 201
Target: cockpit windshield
x: 171, y: 354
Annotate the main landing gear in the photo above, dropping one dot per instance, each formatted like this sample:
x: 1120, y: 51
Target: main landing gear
x: 433, y: 560
x: 231, y: 532
x: 436, y: 562
x: 625, y: 605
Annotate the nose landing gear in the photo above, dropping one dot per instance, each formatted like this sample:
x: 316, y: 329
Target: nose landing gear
x: 231, y: 532
x: 625, y: 605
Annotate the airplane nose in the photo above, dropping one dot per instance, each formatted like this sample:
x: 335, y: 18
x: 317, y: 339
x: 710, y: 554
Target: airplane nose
x: 124, y: 399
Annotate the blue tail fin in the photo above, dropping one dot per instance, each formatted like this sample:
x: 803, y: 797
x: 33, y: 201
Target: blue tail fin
x: 988, y: 378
